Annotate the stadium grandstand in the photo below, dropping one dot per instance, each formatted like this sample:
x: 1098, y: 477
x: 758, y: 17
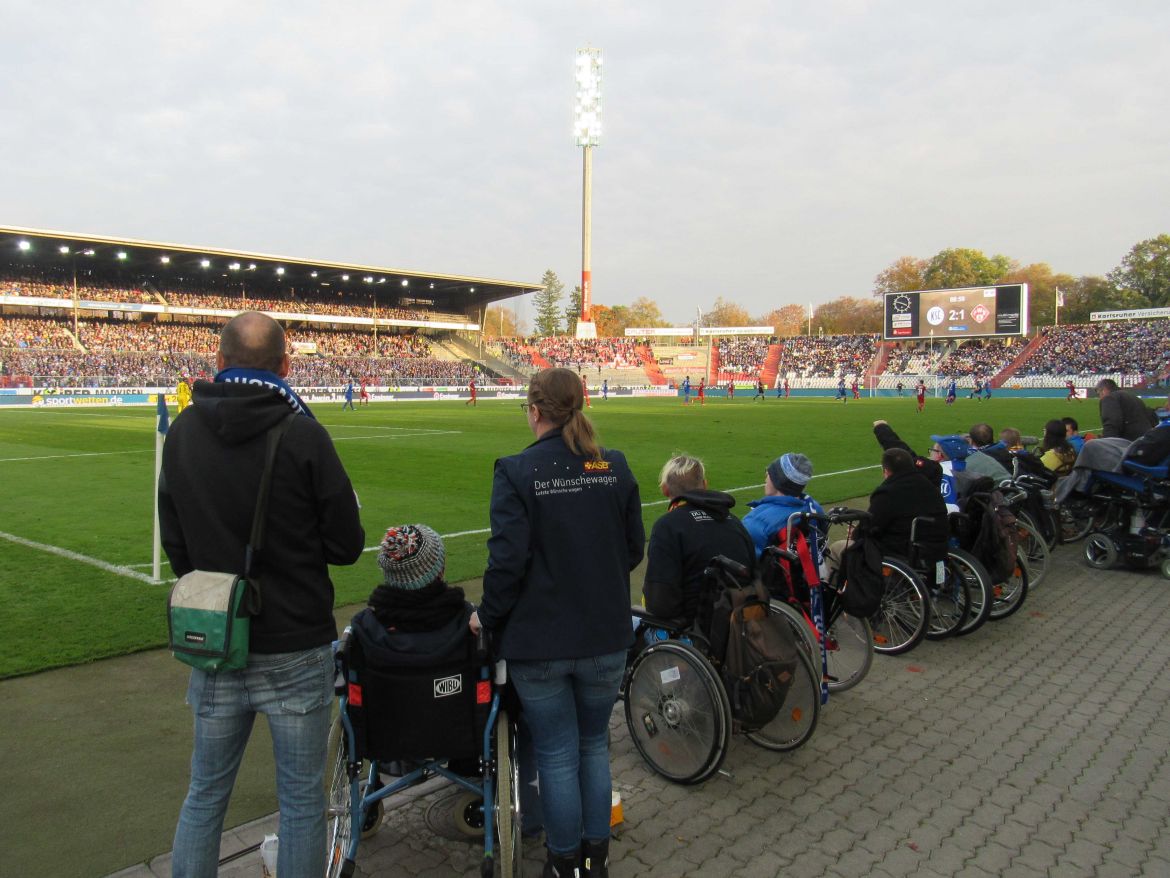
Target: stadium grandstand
x: 81, y: 311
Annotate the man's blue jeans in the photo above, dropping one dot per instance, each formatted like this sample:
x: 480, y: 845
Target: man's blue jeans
x: 567, y: 704
x: 294, y: 691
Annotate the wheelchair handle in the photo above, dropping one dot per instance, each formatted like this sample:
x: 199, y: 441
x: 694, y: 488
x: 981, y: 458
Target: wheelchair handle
x: 727, y: 565
x: 836, y: 515
x: 786, y: 554
x: 914, y: 522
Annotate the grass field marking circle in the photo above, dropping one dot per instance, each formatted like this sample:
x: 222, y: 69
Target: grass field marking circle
x: 76, y: 556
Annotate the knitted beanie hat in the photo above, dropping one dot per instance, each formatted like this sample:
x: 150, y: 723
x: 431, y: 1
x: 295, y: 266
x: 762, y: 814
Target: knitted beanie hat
x: 412, y: 556
x: 793, y: 468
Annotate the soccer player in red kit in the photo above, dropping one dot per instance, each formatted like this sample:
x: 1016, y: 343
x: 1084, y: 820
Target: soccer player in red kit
x: 471, y: 387
x: 920, y: 393
x: 702, y: 391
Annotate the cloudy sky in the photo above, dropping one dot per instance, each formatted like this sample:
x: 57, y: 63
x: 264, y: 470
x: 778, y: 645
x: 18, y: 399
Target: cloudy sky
x: 763, y: 152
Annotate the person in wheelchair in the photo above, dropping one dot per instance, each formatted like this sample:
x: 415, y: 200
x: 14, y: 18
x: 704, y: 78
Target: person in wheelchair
x: 419, y: 613
x: 697, y: 526
x: 903, y: 495
x: 414, y: 618
x: 784, y: 483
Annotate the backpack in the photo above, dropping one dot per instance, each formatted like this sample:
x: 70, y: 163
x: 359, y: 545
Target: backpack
x: 758, y: 654
x: 1151, y: 448
x: 997, y: 537
x: 861, y: 584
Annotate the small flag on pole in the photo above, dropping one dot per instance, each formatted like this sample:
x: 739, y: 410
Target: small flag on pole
x: 164, y: 417
x: 1059, y: 297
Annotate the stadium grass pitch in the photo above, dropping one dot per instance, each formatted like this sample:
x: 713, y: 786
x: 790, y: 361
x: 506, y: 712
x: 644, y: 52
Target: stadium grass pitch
x: 76, y: 529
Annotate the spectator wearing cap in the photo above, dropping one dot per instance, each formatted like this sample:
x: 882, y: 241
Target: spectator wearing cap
x: 784, y: 493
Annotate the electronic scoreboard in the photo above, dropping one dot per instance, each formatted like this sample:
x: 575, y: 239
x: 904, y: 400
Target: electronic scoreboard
x: 961, y: 313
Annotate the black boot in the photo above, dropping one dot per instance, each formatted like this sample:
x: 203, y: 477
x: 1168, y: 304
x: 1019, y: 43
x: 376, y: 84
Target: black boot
x: 595, y: 859
x: 561, y: 867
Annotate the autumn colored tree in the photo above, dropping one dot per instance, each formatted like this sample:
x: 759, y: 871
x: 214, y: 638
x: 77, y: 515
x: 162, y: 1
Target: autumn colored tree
x: 644, y: 312
x: 1042, y: 284
x: 905, y: 274
x: 725, y: 313
x: 964, y: 267
x: 786, y: 321
x: 848, y: 315
x: 501, y: 322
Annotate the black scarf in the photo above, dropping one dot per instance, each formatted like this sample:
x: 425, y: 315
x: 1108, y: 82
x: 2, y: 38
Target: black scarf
x: 422, y: 609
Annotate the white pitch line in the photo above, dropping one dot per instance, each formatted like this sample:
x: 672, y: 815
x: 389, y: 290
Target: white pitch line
x: 77, y: 556
x: 486, y: 530
x: 78, y: 454
x: 399, y: 435
x: 374, y: 427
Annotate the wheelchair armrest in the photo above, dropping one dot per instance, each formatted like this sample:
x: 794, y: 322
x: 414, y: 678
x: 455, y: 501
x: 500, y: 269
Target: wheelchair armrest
x: 782, y: 553
x: 341, y: 660
x: 672, y: 625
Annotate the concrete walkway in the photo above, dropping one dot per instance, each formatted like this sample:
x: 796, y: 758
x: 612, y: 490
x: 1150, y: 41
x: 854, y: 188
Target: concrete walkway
x: 1038, y: 746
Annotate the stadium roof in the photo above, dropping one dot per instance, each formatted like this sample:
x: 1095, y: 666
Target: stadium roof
x: 122, y: 256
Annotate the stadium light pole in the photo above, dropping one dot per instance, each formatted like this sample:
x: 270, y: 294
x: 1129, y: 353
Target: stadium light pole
x: 587, y: 132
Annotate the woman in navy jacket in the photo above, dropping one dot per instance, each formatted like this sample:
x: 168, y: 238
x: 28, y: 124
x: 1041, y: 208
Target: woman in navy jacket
x: 566, y: 531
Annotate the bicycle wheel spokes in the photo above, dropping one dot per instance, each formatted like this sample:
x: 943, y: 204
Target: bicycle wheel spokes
x: 900, y: 623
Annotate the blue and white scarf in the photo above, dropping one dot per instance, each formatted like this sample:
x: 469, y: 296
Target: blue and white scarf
x: 264, y: 378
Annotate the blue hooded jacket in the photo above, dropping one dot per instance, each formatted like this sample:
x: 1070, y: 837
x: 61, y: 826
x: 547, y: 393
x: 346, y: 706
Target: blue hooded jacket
x: 769, y: 514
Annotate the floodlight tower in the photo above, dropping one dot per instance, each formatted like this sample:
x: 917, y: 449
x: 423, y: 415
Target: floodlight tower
x: 587, y: 131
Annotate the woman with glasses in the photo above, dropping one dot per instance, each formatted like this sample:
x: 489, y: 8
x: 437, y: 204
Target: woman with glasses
x: 566, y: 521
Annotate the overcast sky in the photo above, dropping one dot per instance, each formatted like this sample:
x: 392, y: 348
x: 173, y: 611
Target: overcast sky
x: 763, y: 152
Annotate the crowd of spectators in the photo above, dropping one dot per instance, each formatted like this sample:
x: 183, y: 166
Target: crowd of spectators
x: 907, y: 357
x: 612, y: 353
x: 825, y: 356
x: 516, y: 351
x: 75, y: 369
x: 132, y: 335
x: 392, y: 371
x: 1129, y: 347
x: 742, y: 356
x: 350, y: 343
x: 34, y: 332
x: 64, y: 290
x: 984, y: 358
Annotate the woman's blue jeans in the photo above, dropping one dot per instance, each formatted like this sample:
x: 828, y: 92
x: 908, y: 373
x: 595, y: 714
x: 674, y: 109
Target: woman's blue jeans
x: 567, y: 704
x: 294, y: 690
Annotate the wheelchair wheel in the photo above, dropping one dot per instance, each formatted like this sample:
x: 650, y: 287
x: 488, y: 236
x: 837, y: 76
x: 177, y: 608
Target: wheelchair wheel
x: 1100, y: 551
x: 950, y: 603
x: 1079, y: 515
x: 901, y: 621
x: 1008, y: 596
x: 338, y: 816
x: 510, y: 854
x: 979, y: 588
x: 1036, y: 552
x: 797, y: 719
x: 1165, y: 568
x: 849, y: 651
x: 677, y: 712
x: 805, y: 637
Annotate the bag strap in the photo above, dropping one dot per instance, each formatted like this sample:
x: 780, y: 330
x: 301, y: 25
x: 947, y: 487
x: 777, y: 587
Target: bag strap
x: 256, y: 541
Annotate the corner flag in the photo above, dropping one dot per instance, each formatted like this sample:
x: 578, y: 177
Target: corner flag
x: 164, y: 421
x: 164, y: 417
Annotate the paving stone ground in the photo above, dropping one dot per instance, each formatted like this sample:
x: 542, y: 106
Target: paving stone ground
x: 1038, y: 746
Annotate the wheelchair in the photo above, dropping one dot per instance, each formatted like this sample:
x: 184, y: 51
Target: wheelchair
x: 676, y: 705
x: 460, y: 729
x: 1130, y: 518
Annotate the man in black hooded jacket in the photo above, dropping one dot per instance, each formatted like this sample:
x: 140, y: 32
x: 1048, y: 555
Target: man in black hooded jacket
x: 212, y: 463
x: 698, y: 526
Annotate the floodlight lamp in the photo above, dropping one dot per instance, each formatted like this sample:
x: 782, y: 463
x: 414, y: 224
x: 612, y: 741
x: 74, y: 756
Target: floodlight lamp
x: 473, y: 289
x: 205, y: 263
x: 432, y: 286
x: 63, y: 250
x: 405, y: 282
x: 587, y: 105
x: 24, y: 245
x: 165, y: 260
x: 368, y: 279
x: 312, y: 274
x: 121, y: 254
x: 345, y: 277
x: 235, y: 266
x: 251, y: 266
x: 280, y: 269
x: 89, y: 252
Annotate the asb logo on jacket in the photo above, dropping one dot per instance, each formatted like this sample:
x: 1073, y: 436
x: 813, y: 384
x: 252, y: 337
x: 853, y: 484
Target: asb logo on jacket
x: 597, y: 466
